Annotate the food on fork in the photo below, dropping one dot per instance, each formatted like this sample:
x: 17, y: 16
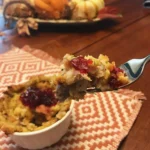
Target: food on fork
x: 82, y: 72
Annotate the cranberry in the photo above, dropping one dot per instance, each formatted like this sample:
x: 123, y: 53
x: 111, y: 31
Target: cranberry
x: 48, y: 97
x: 113, y: 82
x: 116, y: 70
x: 81, y: 64
x: 34, y: 97
x: 31, y: 97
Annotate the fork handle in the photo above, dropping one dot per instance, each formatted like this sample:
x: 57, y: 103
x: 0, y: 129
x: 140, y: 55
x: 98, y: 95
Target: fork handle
x: 146, y: 59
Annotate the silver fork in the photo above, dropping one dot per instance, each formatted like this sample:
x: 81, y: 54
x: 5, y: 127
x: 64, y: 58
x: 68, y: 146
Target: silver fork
x: 134, y: 68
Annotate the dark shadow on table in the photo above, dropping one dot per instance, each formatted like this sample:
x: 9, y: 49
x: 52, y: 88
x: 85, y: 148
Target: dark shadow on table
x: 122, y: 144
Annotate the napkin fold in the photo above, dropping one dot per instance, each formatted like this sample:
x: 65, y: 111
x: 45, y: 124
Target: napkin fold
x: 100, y: 121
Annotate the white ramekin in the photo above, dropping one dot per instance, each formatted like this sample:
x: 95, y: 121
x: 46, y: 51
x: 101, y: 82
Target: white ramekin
x: 44, y: 137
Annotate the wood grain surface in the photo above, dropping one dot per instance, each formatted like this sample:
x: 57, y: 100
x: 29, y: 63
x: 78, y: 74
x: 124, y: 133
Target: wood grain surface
x: 121, y: 40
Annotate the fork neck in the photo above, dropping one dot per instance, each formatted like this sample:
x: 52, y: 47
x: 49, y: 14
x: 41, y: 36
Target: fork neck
x: 146, y: 59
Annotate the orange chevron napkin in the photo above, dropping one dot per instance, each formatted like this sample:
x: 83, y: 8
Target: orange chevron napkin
x: 99, y: 122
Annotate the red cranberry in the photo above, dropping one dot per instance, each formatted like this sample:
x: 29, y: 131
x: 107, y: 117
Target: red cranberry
x: 31, y: 97
x: 34, y: 97
x: 81, y: 64
x: 114, y: 83
x: 116, y: 70
x: 48, y: 97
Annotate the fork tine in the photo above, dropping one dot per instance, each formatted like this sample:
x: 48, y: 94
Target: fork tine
x: 134, y: 67
x: 127, y: 69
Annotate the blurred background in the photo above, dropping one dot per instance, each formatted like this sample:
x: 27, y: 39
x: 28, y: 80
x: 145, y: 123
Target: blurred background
x: 1, y: 1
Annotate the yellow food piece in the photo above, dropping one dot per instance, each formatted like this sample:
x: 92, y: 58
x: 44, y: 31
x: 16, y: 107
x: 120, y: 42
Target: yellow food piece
x: 61, y: 114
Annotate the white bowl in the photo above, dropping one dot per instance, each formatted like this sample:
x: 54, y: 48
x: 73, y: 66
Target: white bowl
x: 44, y: 137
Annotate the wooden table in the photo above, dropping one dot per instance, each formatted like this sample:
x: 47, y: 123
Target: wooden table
x: 121, y: 40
